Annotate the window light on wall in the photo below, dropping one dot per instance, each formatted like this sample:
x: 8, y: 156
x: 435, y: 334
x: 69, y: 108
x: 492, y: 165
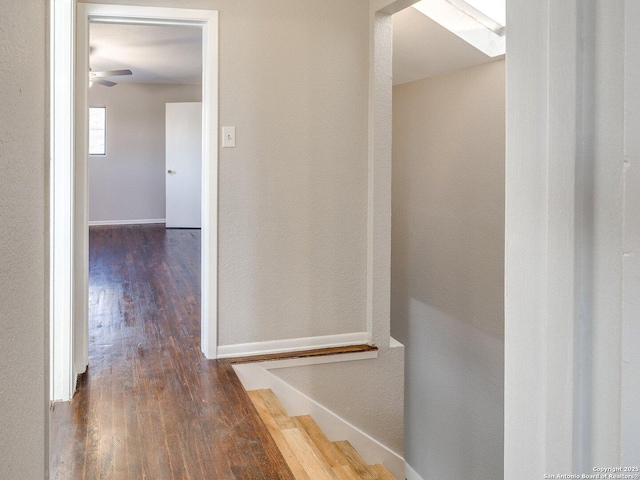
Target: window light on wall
x: 481, y: 23
x: 97, y: 131
x: 494, y: 9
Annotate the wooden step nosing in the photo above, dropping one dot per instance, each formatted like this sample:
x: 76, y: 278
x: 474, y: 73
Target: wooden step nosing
x: 303, y: 354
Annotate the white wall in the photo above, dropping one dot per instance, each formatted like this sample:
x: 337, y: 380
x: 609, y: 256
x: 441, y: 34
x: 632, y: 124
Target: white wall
x: 129, y: 182
x: 447, y: 269
x: 293, y: 193
x: 24, y: 389
x: 630, y: 414
x: 370, y: 393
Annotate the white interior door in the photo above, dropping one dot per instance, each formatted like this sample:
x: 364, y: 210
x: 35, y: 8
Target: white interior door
x: 183, y: 171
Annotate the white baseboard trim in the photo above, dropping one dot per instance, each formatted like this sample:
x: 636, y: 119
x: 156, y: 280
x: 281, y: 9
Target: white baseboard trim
x: 256, y: 376
x: 293, y: 344
x: 96, y: 223
x: 411, y: 474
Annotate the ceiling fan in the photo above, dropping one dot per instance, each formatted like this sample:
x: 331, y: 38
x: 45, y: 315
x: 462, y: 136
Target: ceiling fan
x: 97, y: 77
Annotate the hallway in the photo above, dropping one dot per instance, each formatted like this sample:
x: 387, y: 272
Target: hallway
x: 150, y: 405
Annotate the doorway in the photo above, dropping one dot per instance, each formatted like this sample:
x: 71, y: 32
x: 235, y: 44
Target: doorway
x: 144, y: 279
x: 70, y: 242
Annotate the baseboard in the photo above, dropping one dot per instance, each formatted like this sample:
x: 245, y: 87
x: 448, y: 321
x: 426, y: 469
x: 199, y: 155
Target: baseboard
x: 256, y: 376
x: 96, y: 223
x: 293, y: 345
x: 411, y: 474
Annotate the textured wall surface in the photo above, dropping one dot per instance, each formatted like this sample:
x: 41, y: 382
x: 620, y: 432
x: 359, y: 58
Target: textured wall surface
x: 447, y: 269
x: 129, y: 182
x: 631, y: 267
x: 293, y: 193
x: 368, y: 394
x: 23, y: 386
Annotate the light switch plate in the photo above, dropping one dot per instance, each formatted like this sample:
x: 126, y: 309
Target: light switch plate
x: 228, y: 137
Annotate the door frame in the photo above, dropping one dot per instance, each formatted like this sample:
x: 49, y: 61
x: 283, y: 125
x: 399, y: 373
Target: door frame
x: 70, y: 340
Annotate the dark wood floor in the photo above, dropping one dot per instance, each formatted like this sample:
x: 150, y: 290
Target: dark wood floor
x: 151, y: 406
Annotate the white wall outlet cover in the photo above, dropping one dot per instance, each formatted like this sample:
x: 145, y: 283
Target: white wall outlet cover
x: 228, y: 137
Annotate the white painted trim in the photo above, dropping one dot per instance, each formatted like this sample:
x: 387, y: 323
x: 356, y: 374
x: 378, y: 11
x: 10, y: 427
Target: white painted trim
x: 256, y: 376
x: 563, y: 235
x: 208, y: 21
x: 146, y: 221
x: 61, y: 375
x: 81, y: 206
x: 410, y: 473
x: 293, y: 344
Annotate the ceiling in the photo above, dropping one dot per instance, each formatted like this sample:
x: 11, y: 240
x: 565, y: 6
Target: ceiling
x: 172, y: 54
x: 423, y: 48
x: 155, y: 54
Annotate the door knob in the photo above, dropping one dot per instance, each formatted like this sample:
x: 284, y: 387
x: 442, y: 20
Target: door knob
x: 171, y: 172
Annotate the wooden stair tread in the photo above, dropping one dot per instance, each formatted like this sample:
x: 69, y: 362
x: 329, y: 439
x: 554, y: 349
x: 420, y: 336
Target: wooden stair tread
x: 289, y: 456
x: 355, y: 460
x: 311, y: 460
x: 334, y: 457
x: 308, y: 452
x: 283, y: 421
x: 382, y: 472
x: 346, y: 472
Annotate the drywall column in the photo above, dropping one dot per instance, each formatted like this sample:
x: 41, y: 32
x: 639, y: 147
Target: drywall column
x: 379, y: 190
x: 24, y: 389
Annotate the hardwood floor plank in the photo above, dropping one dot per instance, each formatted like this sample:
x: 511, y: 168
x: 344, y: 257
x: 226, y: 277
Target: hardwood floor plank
x: 315, y: 466
x: 382, y: 472
x: 277, y: 412
x: 334, y: 457
x: 295, y: 466
x: 355, y: 460
x: 346, y: 472
x: 150, y: 405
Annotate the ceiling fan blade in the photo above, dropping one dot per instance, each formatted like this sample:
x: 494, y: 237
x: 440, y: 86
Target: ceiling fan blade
x: 111, y: 73
x: 106, y: 83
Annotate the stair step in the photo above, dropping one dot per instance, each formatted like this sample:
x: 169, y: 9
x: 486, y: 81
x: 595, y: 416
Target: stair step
x: 355, y: 460
x: 328, y: 449
x: 346, y: 472
x: 308, y: 452
x: 292, y: 460
x: 382, y: 472
x: 308, y: 455
x: 275, y: 409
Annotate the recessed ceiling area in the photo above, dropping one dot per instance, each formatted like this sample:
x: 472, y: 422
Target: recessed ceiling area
x: 423, y: 48
x: 154, y: 53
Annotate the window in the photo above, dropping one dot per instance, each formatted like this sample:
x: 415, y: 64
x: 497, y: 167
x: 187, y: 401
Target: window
x: 97, y: 131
